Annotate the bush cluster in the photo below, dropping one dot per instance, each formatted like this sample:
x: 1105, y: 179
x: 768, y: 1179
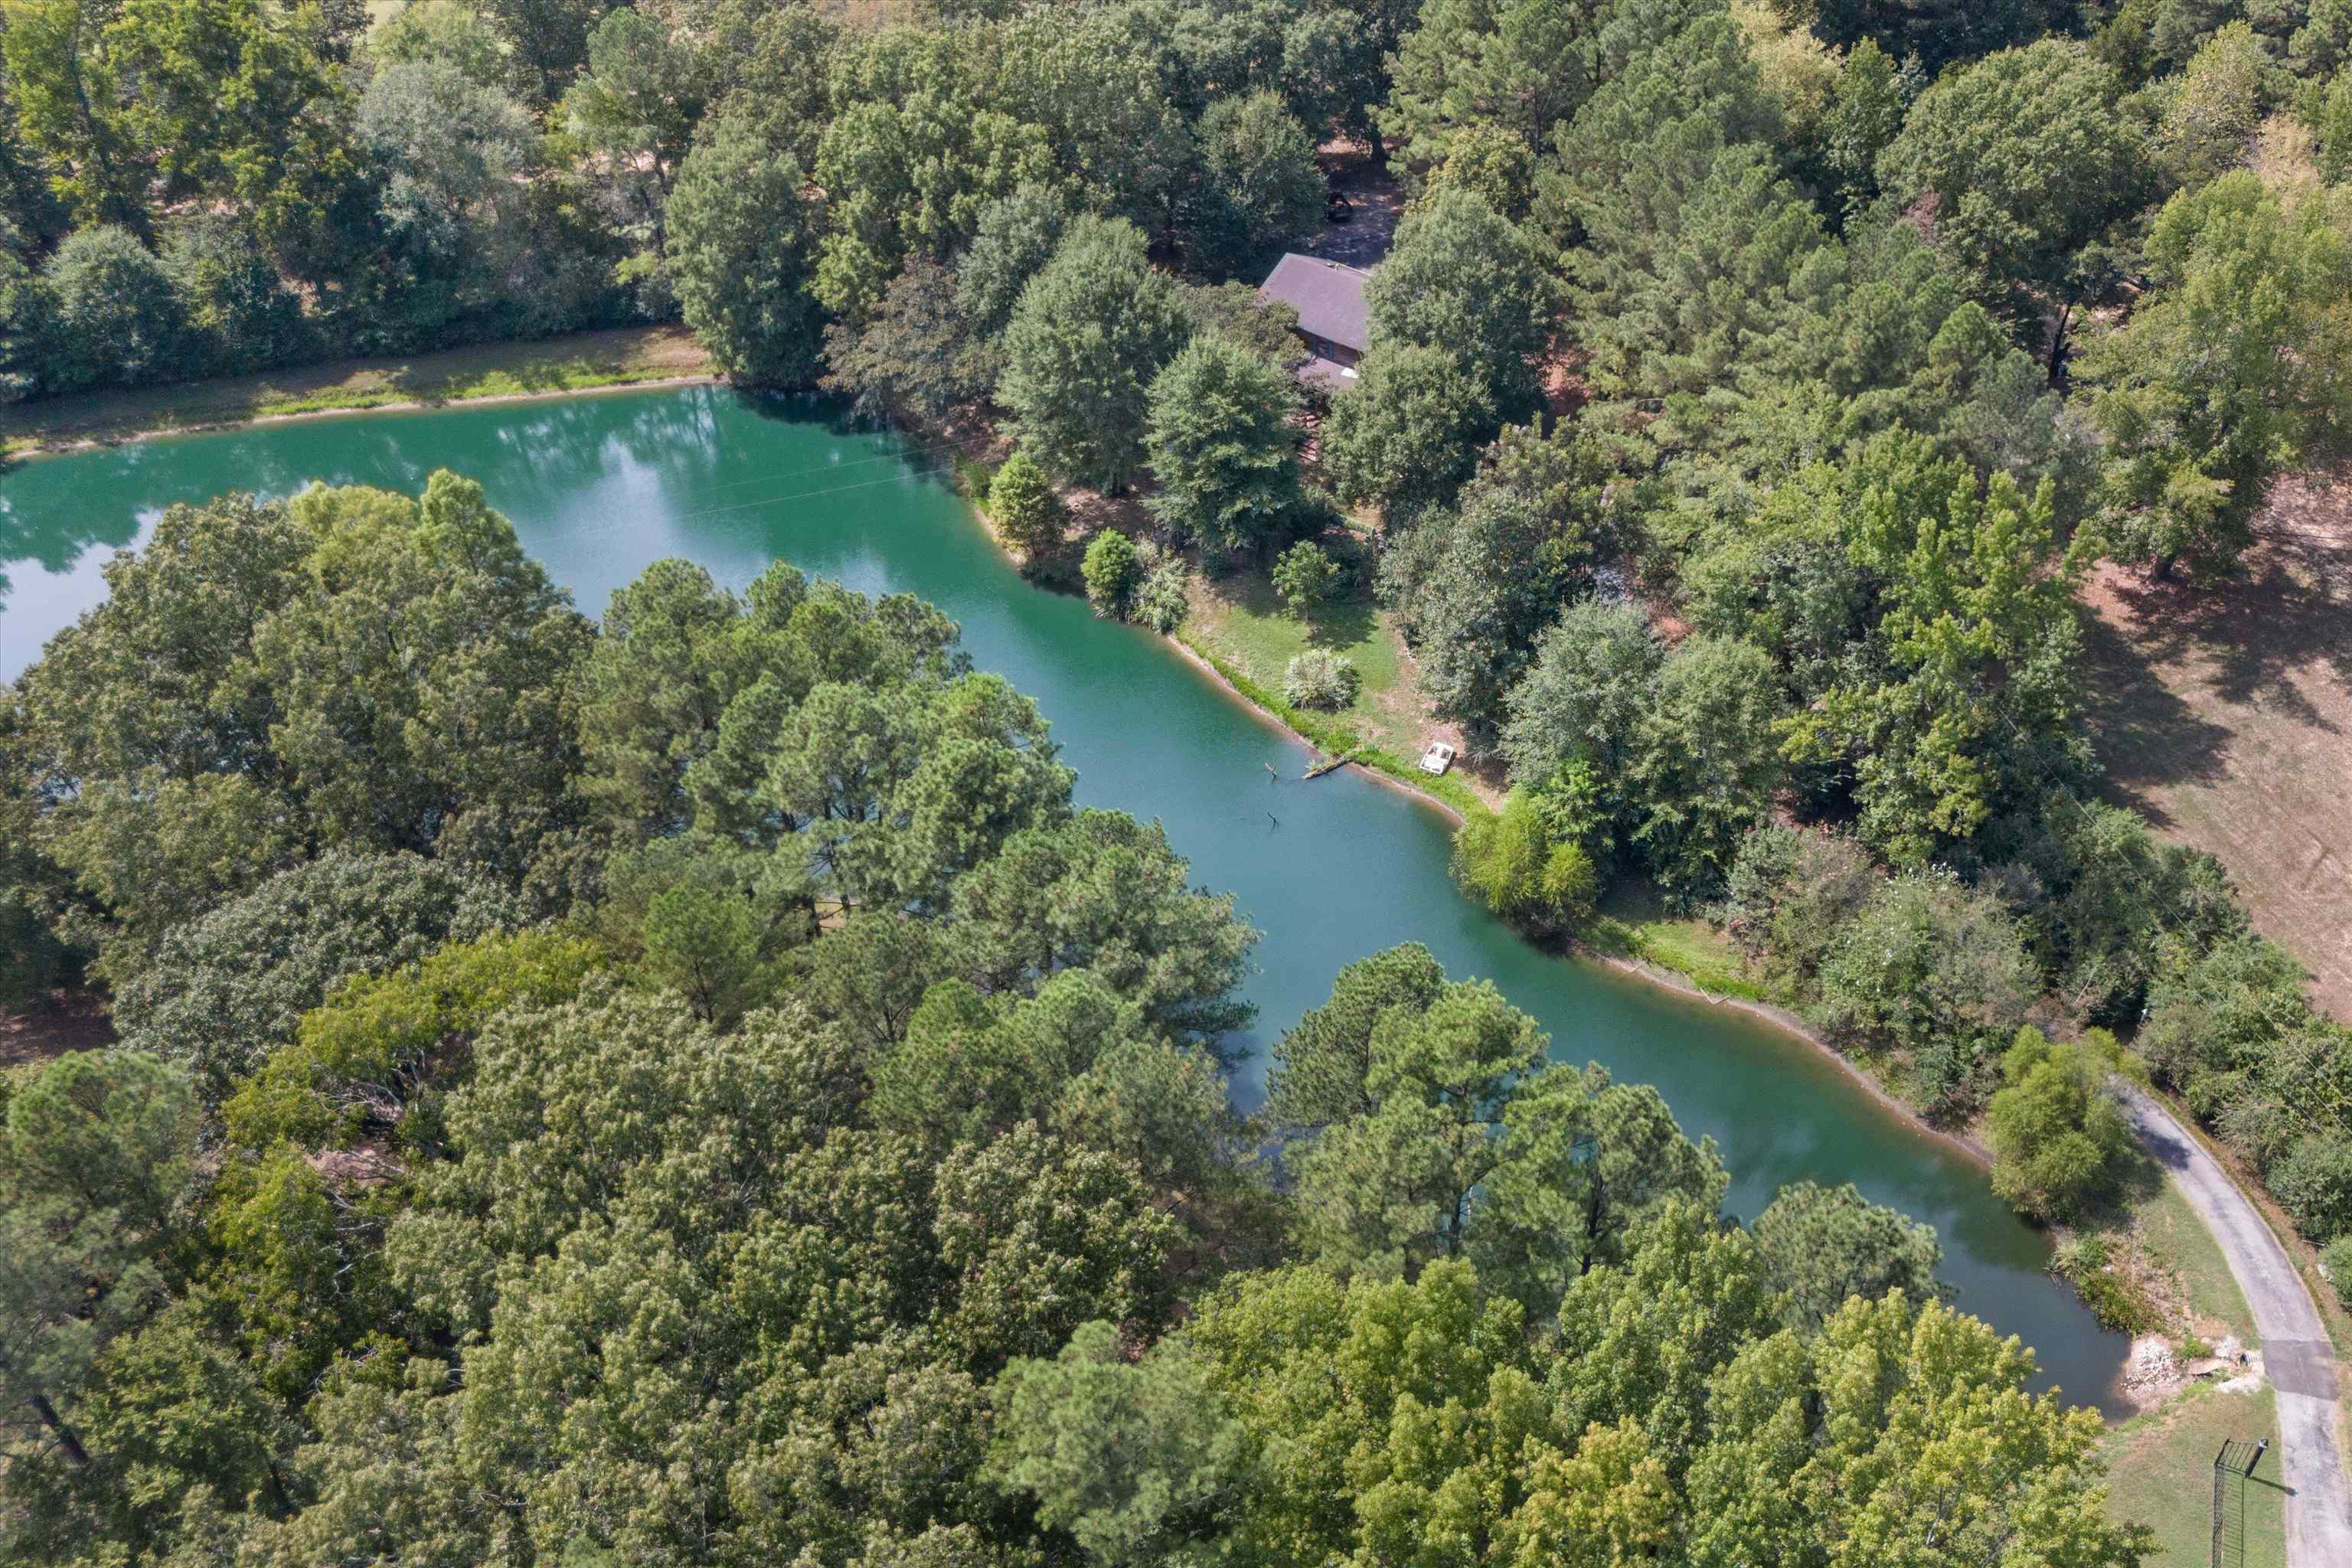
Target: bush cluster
x: 1320, y: 678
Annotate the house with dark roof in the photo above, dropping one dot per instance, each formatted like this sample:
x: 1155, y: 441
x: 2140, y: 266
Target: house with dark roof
x: 1329, y: 299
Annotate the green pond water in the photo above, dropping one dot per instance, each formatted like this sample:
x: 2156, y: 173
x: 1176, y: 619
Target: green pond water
x: 599, y: 487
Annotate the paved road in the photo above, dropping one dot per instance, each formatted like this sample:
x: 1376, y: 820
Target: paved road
x: 2295, y: 1352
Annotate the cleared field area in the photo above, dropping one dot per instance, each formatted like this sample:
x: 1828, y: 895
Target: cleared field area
x: 1238, y: 625
x: 2225, y: 714
x: 1240, y: 620
x: 617, y: 357
x: 2160, y: 1474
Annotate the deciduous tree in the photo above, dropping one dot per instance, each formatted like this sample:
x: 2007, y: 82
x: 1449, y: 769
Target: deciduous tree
x: 1222, y: 442
x: 1406, y: 437
x: 1463, y: 279
x: 741, y: 246
x: 1704, y: 763
x: 2029, y: 160
x: 2058, y: 1139
x: 1260, y: 190
x: 1091, y: 331
x: 2236, y: 365
x: 1029, y: 515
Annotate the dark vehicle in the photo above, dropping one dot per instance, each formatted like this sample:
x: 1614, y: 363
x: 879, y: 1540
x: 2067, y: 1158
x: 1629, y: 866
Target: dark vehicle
x: 1337, y: 207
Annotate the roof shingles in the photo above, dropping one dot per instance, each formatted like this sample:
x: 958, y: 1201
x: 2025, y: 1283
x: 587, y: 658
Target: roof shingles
x: 1330, y: 299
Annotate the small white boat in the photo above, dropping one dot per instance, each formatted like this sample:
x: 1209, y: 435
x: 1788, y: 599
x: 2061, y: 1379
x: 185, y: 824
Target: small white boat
x: 1438, y: 758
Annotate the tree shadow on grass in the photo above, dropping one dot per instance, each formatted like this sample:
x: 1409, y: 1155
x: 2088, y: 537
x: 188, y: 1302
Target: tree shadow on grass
x: 2290, y: 609
x: 2138, y: 1183
x: 1347, y: 619
x: 2146, y: 734
x: 1341, y: 624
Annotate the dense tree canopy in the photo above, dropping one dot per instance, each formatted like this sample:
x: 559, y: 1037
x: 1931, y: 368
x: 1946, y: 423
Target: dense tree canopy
x: 1408, y: 434
x: 1220, y: 438
x: 1666, y: 1415
x: 2027, y: 159
x: 2234, y: 370
x: 741, y: 248
x: 349, y: 668
x: 1822, y: 1245
x: 1092, y: 329
x: 822, y: 1167
x: 697, y: 1087
x: 1464, y: 279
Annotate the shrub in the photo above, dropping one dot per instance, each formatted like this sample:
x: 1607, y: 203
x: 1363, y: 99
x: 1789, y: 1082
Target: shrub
x: 120, y: 321
x: 2336, y: 1258
x: 1112, y: 570
x: 1935, y: 968
x: 238, y: 310
x: 1515, y: 866
x: 1305, y: 577
x: 30, y: 353
x: 1165, y: 598
x: 1029, y: 515
x: 2058, y: 1139
x: 2079, y: 1255
x: 1790, y: 892
x: 1570, y: 885
x: 1319, y: 678
x: 2314, y: 1184
x: 2119, y: 1306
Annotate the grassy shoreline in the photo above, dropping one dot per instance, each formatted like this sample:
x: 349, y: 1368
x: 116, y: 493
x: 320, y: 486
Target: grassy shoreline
x: 1634, y: 934
x: 620, y: 356
x: 1336, y: 736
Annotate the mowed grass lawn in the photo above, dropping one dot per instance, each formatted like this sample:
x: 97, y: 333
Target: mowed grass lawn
x: 2178, y: 1240
x: 1237, y: 619
x: 2160, y: 1474
x: 617, y: 357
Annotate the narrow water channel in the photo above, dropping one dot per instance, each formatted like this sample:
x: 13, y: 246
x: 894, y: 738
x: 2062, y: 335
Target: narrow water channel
x: 601, y: 486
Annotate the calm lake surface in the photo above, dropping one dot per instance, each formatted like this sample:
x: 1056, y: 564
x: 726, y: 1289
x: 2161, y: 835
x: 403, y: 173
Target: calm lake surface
x: 599, y: 487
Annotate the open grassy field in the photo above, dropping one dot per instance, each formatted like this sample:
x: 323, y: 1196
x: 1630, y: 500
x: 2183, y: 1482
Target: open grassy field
x: 2225, y: 714
x: 612, y: 358
x: 2161, y: 1475
x: 1238, y: 625
x: 1239, y: 617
